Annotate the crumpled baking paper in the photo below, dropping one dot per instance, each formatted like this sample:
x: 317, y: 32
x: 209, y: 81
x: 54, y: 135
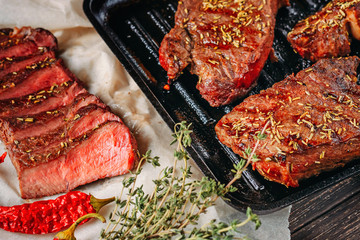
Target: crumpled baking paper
x: 89, y: 58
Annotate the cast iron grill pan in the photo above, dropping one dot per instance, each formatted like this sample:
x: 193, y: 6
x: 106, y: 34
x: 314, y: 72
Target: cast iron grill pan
x: 133, y: 29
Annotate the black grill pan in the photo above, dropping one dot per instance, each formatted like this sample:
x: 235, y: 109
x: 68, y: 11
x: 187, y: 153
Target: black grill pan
x: 133, y: 29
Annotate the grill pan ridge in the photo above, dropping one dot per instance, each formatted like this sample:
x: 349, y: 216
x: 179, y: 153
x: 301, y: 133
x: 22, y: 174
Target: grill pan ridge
x: 134, y: 29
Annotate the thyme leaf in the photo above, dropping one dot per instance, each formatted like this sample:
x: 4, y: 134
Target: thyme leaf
x: 174, y: 206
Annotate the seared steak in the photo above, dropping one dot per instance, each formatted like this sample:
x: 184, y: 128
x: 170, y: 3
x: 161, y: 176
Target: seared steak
x: 57, y: 134
x: 33, y: 79
x: 313, y: 122
x: 107, y: 151
x: 45, y: 122
x: 51, y: 98
x: 7, y: 66
x: 226, y: 43
x: 326, y: 34
x: 25, y: 41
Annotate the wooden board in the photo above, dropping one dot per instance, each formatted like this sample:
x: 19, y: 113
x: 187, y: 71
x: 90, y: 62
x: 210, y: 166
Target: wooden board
x: 333, y: 213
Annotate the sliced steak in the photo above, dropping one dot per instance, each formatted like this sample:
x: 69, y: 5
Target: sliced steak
x: 37, y: 125
x: 106, y: 151
x: 25, y: 41
x: 4, y: 34
x: 46, y: 99
x: 37, y: 149
x: 313, y: 122
x: 57, y: 134
x: 225, y: 42
x: 326, y: 34
x: 34, y: 79
x: 13, y: 65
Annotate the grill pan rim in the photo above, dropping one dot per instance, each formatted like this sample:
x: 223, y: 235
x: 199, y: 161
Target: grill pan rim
x: 95, y: 13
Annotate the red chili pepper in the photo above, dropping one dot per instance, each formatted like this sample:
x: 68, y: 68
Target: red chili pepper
x: 51, y: 215
x: 68, y: 234
x: 2, y: 158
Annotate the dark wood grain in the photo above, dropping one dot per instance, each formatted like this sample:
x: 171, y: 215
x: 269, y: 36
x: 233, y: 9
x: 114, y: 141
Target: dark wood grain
x: 332, y: 213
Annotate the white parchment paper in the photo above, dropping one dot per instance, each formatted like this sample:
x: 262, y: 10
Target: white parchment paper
x: 90, y: 59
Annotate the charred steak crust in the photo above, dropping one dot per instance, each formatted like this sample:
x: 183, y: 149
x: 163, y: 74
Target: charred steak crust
x: 225, y: 42
x: 326, y: 34
x: 57, y: 134
x: 313, y: 120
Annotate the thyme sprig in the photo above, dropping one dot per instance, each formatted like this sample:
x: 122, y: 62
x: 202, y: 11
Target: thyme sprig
x: 176, y: 202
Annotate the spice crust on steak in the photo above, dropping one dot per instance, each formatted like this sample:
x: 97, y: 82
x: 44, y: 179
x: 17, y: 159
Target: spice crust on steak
x: 327, y: 33
x: 226, y: 42
x: 313, y: 124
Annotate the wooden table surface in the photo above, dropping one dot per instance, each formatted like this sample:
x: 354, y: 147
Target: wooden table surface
x: 333, y: 213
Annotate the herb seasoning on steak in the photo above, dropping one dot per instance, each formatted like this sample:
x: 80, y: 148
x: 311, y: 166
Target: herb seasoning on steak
x: 58, y: 135
x: 326, y: 34
x: 314, y: 122
x: 226, y: 42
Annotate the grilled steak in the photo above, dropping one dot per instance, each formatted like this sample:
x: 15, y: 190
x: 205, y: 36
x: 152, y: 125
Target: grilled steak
x: 34, y: 79
x: 17, y: 128
x: 313, y: 122
x: 326, y: 34
x: 225, y: 42
x: 52, y: 98
x: 25, y: 41
x: 57, y: 134
x: 7, y: 66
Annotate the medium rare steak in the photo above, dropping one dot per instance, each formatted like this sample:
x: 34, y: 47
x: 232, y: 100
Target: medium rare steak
x: 16, y: 128
x: 225, y: 42
x: 33, y: 79
x: 7, y: 66
x: 51, y: 98
x: 313, y: 124
x: 25, y: 41
x: 326, y: 34
x: 58, y: 135
x: 105, y: 152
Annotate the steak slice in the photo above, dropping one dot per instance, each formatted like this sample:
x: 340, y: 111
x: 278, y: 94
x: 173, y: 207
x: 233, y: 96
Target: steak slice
x: 46, y: 99
x: 37, y: 149
x: 25, y: 41
x: 12, y: 65
x: 313, y: 122
x: 36, y: 125
x: 225, y: 42
x: 34, y: 78
x: 107, y: 151
x: 57, y: 134
x: 326, y: 34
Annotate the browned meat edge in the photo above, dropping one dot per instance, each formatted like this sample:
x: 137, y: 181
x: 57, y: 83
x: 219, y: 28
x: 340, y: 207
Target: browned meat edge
x: 326, y: 34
